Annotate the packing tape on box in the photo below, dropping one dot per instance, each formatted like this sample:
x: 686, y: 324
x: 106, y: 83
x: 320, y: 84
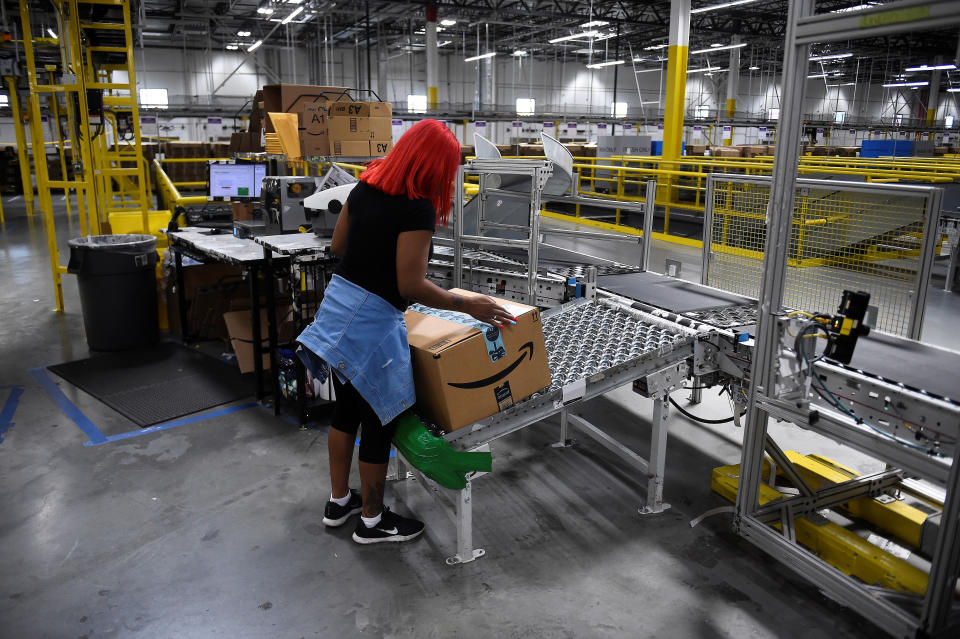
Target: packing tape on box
x: 491, y: 334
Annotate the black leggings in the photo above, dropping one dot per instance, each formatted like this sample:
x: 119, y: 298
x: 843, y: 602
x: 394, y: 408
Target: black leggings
x: 350, y: 411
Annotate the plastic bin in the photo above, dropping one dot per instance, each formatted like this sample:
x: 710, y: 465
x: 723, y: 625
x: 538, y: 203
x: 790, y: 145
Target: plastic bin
x: 118, y: 289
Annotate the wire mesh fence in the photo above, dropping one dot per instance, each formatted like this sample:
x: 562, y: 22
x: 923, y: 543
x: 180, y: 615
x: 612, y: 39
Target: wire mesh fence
x: 853, y: 236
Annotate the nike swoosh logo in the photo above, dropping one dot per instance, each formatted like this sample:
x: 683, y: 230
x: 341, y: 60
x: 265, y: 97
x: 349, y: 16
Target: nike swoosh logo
x: 493, y: 379
x: 392, y: 531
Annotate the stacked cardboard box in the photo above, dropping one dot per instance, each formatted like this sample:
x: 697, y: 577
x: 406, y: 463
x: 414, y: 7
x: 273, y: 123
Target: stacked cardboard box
x: 360, y: 129
x: 466, y: 151
x: 531, y: 149
x: 754, y: 150
x: 697, y: 149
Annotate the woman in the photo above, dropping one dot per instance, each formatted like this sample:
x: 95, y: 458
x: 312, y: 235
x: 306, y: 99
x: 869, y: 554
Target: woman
x: 384, y: 237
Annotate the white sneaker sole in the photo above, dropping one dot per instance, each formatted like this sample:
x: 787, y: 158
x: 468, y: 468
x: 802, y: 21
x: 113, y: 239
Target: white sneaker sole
x: 333, y: 523
x: 376, y: 540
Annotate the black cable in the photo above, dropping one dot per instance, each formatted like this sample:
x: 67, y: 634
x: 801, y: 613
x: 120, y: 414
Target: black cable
x: 699, y: 419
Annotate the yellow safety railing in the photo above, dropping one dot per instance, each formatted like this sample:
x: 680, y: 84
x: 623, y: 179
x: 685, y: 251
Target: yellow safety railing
x: 169, y: 195
x: 683, y: 182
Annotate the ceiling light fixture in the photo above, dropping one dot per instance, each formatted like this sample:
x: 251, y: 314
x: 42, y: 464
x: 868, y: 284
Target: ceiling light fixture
x: 819, y: 75
x: 253, y: 47
x: 233, y: 47
x: 265, y: 11
x: 53, y: 34
x: 721, y: 6
x: 655, y: 47
x: 754, y: 68
x: 906, y: 84
x: 710, y: 69
x: 953, y: 90
x: 576, y: 36
x: 519, y: 53
x: 244, y: 34
x: 293, y: 14
x: 939, y: 67
x: 719, y: 47
x: 835, y: 56
x: 594, y: 23
x: 447, y: 22
x: 608, y: 63
x: 480, y: 57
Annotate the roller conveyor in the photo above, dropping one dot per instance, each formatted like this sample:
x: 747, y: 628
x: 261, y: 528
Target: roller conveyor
x: 594, y: 346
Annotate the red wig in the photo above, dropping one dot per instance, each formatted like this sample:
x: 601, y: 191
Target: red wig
x: 423, y: 164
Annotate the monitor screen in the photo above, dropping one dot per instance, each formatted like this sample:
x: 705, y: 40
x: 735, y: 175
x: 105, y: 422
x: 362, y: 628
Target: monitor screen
x: 236, y: 180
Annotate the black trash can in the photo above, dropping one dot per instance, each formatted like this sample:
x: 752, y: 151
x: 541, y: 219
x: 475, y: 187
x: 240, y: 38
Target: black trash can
x: 118, y: 289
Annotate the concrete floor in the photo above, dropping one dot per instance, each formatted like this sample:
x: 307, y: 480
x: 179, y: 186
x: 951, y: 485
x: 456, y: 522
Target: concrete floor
x: 214, y: 528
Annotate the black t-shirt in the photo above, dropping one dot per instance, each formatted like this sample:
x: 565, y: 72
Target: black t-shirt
x: 376, y: 219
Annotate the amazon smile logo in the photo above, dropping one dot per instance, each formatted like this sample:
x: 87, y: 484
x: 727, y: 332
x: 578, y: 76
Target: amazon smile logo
x: 526, y: 350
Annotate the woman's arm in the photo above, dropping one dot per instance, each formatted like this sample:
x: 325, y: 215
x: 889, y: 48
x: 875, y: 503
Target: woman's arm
x: 413, y: 252
x: 339, y: 243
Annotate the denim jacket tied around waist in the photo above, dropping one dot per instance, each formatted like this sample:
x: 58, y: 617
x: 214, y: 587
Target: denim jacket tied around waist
x: 363, y: 338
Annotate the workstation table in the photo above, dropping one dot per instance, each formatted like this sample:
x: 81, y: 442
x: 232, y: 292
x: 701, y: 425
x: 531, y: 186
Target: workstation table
x: 216, y: 246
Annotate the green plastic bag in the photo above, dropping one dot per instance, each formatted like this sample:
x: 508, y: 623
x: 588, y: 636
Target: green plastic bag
x: 434, y: 457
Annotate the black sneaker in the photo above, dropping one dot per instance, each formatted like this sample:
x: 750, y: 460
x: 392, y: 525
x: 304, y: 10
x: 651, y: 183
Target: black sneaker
x: 392, y: 527
x: 336, y: 515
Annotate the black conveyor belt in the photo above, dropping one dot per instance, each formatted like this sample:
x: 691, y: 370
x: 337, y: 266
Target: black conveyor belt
x: 922, y: 366
x: 669, y: 293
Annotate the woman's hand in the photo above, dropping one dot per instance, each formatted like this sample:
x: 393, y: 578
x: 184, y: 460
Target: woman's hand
x: 486, y: 310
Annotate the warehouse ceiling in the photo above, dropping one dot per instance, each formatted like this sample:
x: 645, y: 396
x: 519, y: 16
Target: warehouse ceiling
x: 632, y: 30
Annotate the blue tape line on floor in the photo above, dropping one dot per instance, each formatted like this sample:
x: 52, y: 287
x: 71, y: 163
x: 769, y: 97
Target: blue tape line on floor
x: 9, y: 408
x: 69, y: 408
x: 180, y: 422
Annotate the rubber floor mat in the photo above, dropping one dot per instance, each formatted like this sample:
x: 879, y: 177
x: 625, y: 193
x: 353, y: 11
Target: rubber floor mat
x: 154, y: 385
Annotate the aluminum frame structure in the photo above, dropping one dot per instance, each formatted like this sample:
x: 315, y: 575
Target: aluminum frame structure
x: 933, y: 197
x: 893, y: 612
x: 540, y: 171
x: 587, y: 380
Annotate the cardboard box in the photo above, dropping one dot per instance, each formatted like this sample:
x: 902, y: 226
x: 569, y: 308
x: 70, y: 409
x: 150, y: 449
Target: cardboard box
x: 243, y: 211
x: 241, y: 338
x: 347, y: 128
x: 312, y: 145
x: 315, y: 135
x: 380, y: 148
x: 209, y: 291
x: 359, y: 128
x: 362, y: 109
x: 239, y: 326
x: 350, y: 148
x: 463, y: 376
x: 292, y: 98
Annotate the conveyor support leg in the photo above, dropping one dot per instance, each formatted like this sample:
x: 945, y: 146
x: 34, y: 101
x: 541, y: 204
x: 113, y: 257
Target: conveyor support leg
x: 465, y: 550
x: 658, y: 454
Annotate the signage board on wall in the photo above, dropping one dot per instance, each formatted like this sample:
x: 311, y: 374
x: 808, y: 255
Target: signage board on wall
x: 480, y: 124
x: 148, y: 120
x: 763, y: 134
x: 727, y: 132
x: 548, y: 125
x: 214, y: 120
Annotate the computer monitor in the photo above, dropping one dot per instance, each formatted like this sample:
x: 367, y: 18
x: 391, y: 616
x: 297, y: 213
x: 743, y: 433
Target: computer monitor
x: 231, y: 181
